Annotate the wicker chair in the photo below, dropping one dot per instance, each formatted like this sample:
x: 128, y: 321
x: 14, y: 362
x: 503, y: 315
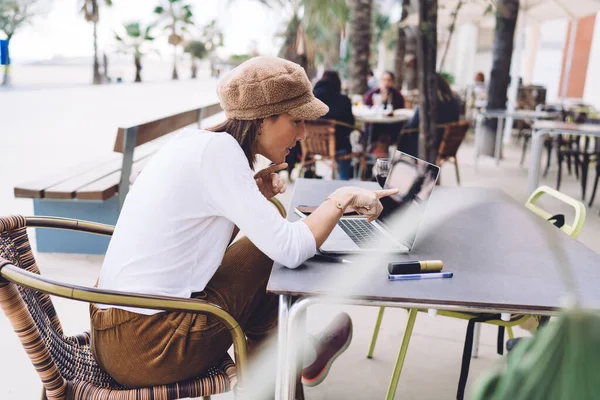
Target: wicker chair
x: 65, y: 363
x: 454, y: 134
x: 320, y: 144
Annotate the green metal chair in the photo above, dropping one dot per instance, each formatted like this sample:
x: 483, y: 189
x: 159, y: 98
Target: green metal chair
x: 572, y: 229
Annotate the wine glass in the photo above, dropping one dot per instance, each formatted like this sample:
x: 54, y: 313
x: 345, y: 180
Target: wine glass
x: 382, y: 167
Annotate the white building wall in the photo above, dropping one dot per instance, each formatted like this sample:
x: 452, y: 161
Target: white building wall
x: 548, y: 61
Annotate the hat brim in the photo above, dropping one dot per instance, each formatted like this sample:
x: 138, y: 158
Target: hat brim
x: 310, y: 111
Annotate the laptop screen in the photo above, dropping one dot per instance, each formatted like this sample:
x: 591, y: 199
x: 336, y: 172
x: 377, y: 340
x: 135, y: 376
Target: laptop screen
x: 415, y: 179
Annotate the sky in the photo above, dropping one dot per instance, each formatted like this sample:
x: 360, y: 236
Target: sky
x: 63, y: 32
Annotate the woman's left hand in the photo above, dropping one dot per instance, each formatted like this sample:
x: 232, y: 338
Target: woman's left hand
x: 268, y: 181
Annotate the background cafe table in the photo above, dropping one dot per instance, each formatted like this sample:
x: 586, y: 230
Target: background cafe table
x: 505, y: 259
x: 501, y: 115
x: 370, y: 115
x: 541, y: 128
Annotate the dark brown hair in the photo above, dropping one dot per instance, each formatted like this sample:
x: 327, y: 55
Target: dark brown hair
x: 334, y: 78
x: 244, y: 132
x: 445, y: 92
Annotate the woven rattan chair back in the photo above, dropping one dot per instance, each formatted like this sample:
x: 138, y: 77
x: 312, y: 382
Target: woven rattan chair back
x: 65, y: 364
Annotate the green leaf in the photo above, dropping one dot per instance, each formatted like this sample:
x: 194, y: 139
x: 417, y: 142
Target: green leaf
x: 108, y: 3
x: 159, y: 10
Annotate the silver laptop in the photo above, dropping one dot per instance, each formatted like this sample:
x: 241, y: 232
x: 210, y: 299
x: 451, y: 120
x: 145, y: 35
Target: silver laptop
x: 396, y: 228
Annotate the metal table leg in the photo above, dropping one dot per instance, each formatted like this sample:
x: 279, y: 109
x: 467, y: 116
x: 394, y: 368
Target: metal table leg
x: 499, y: 133
x: 285, y: 302
x: 478, y: 137
x: 295, y: 336
x: 476, y: 336
x: 534, y: 160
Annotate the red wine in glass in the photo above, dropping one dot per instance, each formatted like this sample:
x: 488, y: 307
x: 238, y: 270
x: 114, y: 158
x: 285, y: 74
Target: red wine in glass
x: 381, y: 167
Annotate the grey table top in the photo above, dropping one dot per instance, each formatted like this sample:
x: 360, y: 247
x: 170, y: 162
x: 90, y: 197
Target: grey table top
x: 589, y: 129
x: 502, y: 256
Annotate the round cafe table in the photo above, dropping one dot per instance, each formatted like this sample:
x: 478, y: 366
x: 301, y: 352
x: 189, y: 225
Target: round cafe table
x: 372, y: 116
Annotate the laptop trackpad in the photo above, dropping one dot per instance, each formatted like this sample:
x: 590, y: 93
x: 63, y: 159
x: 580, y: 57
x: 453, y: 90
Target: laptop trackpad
x: 339, y: 242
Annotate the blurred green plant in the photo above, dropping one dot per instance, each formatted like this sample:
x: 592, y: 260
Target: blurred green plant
x: 561, y: 361
x: 91, y: 12
x: 134, y: 40
x: 448, y: 77
x: 197, y: 49
x: 176, y: 16
x: 237, y: 59
x: 312, y: 31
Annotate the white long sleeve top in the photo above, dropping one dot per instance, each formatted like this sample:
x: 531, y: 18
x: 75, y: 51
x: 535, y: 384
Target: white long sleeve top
x: 179, y: 216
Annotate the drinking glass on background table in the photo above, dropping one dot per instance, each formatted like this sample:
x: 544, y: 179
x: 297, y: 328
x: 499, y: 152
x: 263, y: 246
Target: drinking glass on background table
x: 382, y: 167
x: 377, y: 101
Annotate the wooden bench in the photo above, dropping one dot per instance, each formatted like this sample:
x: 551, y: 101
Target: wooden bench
x: 96, y: 190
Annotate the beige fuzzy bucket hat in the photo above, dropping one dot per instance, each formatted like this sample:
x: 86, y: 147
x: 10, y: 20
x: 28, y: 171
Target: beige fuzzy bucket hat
x: 265, y: 86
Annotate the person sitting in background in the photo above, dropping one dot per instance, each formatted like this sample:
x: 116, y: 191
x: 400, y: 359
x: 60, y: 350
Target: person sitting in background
x: 328, y: 90
x: 448, y: 110
x: 389, y: 94
x: 371, y: 80
x: 391, y: 98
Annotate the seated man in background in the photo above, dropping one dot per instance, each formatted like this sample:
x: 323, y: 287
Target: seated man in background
x: 328, y: 89
x: 448, y: 110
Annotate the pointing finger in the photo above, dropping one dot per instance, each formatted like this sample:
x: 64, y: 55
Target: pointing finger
x: 385, y: 193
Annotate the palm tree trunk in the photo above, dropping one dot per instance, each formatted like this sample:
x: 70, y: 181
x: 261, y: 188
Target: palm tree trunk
x: 360, y: 34
x: 427, y: 50
x: 506, y: 21
x: 138, y: 68
x: 194, y: 68
x: 450, y: 33
x: 175, y: 75
x: 399, y: 58
x: 97, y: 78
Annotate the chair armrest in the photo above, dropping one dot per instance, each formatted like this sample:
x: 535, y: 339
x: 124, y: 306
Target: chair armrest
x: 12, y: 273
x: 69, y: 224
x: 575, y: 228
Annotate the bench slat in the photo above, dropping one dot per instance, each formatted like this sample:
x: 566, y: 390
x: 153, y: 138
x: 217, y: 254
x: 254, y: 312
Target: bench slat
x: 35, y: 188
x: 155, y: 129
x: 68, y: 188
x: 107, y: 187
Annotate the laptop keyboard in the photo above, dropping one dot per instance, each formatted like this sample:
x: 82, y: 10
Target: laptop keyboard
x: 364, y: 234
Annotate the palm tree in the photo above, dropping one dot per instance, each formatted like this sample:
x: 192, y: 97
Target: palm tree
x: 91, y: 13
x: 176, y: 17
x: 400, y: 46
x: 506, y: 21
x: 360, y: 34
x: 313, y: 30
x: 427, y: 51
x: 133, y: 42
x: 211, y: 36
x: 197, y: 49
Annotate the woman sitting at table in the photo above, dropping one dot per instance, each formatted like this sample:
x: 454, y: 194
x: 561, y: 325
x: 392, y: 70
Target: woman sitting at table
x: 448, y: 110
x: 391, y: 98
x: 173, y: 236
x: 329, y: 91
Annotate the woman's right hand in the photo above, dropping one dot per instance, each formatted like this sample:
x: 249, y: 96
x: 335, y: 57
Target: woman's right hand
x: 363, y: 201
x: 350, y: 198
